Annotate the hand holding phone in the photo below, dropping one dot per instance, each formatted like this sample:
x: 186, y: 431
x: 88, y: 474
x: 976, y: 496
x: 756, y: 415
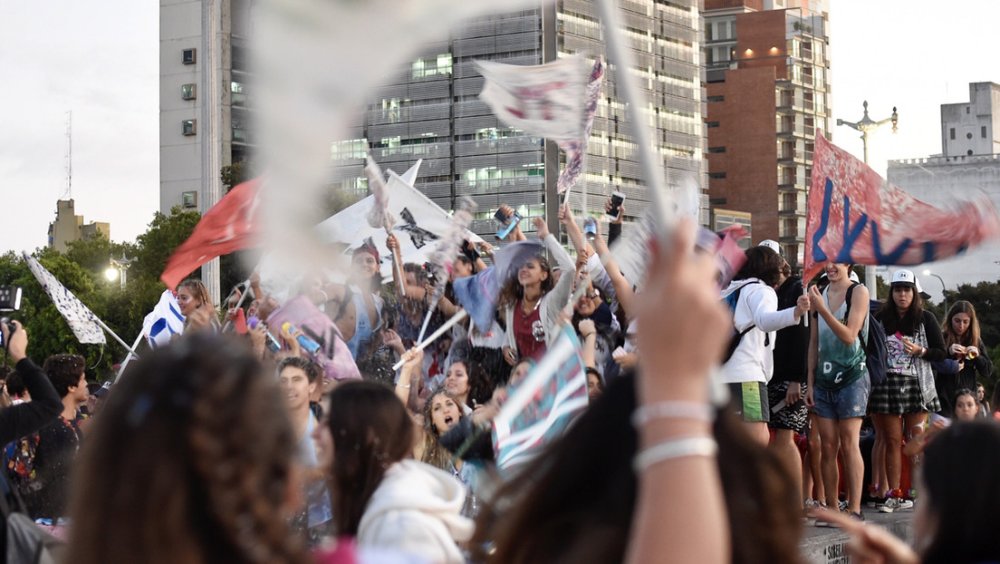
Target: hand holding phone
x: 614, y: 209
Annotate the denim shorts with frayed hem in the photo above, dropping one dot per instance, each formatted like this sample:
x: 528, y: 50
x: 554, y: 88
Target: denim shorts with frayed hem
x: 846, y: 403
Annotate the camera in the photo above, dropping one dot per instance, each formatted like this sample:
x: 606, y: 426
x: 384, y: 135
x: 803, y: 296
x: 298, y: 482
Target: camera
x: 10, y: 298
x: 617, y: 199
x: 9, y: 325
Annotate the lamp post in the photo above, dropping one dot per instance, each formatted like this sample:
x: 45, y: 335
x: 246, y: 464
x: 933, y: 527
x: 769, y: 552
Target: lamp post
x: 944, y: 288
x: 866, y: 125
x: 118, y: 269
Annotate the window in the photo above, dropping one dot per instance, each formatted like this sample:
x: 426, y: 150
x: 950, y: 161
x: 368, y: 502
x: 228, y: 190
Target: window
x: 190, y: 126
x: 711, y: 124
x: 716, y: 98
x: 189, y: 200
x: 982, y: 132
x: 238, y: 92
x: 717, y: 175
x: 189, y: 91
x: 967, y: 109
x: 951, y: 133
x: 190, y: 56
x: 716, y: 149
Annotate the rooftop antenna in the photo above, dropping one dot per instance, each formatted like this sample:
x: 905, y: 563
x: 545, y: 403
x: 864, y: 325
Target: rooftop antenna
x: 68, y: 195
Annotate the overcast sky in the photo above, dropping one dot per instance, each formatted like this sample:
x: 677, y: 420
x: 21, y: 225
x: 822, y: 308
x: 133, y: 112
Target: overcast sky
x: 99, y: 59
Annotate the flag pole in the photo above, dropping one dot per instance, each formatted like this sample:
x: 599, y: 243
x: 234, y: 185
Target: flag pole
x: 447, y: 325
x: 128, y: 358
x: 115, y: 335
x: 243, y: 296
x: 650, y: 162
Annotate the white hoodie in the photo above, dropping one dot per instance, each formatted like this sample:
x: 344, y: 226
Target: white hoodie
x: 752, y: 360
x: 417, y: 510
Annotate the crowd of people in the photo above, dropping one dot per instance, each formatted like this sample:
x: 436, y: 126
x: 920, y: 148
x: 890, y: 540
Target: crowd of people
x: 748, y: 415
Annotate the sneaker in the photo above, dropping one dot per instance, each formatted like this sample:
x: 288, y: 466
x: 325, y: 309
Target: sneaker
x: 812, y: 504
x: 859, y: 516
x: 876, y: 502
x: 895, y: 504
x: 904, y: 504
x: 842, y: 506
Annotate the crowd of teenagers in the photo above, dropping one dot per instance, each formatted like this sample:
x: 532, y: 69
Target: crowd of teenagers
x: 743, y: 420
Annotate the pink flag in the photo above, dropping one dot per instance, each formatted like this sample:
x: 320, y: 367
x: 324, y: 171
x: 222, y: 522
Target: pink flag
x: 577, y: 148
x: 856, y: 217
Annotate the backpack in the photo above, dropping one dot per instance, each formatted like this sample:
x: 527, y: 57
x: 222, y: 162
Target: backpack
x: 732, y: 300
x: 876, y: 352
x: 19, y: 458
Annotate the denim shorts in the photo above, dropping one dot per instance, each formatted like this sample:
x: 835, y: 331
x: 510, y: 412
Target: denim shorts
x: 846, y: 403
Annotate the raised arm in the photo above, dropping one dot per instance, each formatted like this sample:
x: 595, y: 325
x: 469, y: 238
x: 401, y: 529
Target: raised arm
x: 45, y: 406
x: 859, y: 311
x: 764, y: 308
x: 623, y: 289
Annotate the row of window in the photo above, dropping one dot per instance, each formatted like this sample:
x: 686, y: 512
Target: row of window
x: 982, y: 133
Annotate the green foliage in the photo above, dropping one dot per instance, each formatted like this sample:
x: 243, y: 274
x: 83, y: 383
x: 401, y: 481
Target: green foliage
x: 81, y: 270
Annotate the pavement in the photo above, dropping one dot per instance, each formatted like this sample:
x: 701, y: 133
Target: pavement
x: 821, y: 545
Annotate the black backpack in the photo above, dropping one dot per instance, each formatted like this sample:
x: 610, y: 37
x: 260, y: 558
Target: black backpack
x: 876, y: 352
x: 732, y: 300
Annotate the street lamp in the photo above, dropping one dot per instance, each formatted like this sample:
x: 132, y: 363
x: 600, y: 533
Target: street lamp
x: 118, y: 269
x: 927, y: 272
x: 866, y: 125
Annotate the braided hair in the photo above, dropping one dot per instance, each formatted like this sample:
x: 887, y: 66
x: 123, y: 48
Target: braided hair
x: 189, y: 461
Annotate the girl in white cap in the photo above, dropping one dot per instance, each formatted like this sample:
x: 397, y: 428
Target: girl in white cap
x: 913, y: 339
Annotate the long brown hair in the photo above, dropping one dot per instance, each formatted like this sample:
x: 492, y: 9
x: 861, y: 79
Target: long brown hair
x: 371, y: 431
x: 911, y: 319
x: 512, y: 291
x: 189, y: 461
x: 435, y: 454
x: 971, y: 337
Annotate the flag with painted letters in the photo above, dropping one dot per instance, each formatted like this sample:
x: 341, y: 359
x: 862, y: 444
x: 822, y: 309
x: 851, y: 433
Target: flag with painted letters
x: 165, y: 321
x: 543, y: 405
x: 856, y: 217
x: 81, y: 320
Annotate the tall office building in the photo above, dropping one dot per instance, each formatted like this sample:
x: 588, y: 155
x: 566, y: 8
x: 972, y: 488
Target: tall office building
x: 204, y: 119
x: 767, y: 88
x: 431, y: 110
x: 967, y: 168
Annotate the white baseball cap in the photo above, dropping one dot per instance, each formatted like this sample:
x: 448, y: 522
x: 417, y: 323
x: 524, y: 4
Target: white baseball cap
x: 904, y: 277
x: 770, y: 244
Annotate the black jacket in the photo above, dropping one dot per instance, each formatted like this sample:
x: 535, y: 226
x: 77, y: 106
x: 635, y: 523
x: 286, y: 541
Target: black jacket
x: 791, y: 344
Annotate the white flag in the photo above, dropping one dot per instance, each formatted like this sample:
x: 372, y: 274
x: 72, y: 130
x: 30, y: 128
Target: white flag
x: 546, y: 100
x: 420, y: 227
x: 165, y: 321
x: 81, y: 320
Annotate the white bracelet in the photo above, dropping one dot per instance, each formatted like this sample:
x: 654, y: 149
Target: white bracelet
x: 672, y: 410
x: 675, y: 448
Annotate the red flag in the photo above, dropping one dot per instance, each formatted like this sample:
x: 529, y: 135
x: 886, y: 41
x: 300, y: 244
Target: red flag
x: 855, y: 217
x: 229, y: 226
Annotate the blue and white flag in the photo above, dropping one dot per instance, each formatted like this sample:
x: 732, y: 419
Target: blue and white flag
x: 164, y: 321
x: 478, y: 294
x: 543, y: 405
x: 80, y: 319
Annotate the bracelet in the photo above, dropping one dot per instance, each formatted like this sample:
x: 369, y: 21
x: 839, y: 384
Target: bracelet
x: 672, y: 410
x: 675, y: 448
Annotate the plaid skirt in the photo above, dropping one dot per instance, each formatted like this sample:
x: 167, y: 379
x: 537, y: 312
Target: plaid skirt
x: 900, y: 394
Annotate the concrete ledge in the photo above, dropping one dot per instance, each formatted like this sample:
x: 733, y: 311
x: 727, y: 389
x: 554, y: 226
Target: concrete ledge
x: 822, y: 545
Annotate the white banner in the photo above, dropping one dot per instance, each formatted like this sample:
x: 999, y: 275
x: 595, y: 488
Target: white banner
x: 81, y: 320
x: 546, y: 100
